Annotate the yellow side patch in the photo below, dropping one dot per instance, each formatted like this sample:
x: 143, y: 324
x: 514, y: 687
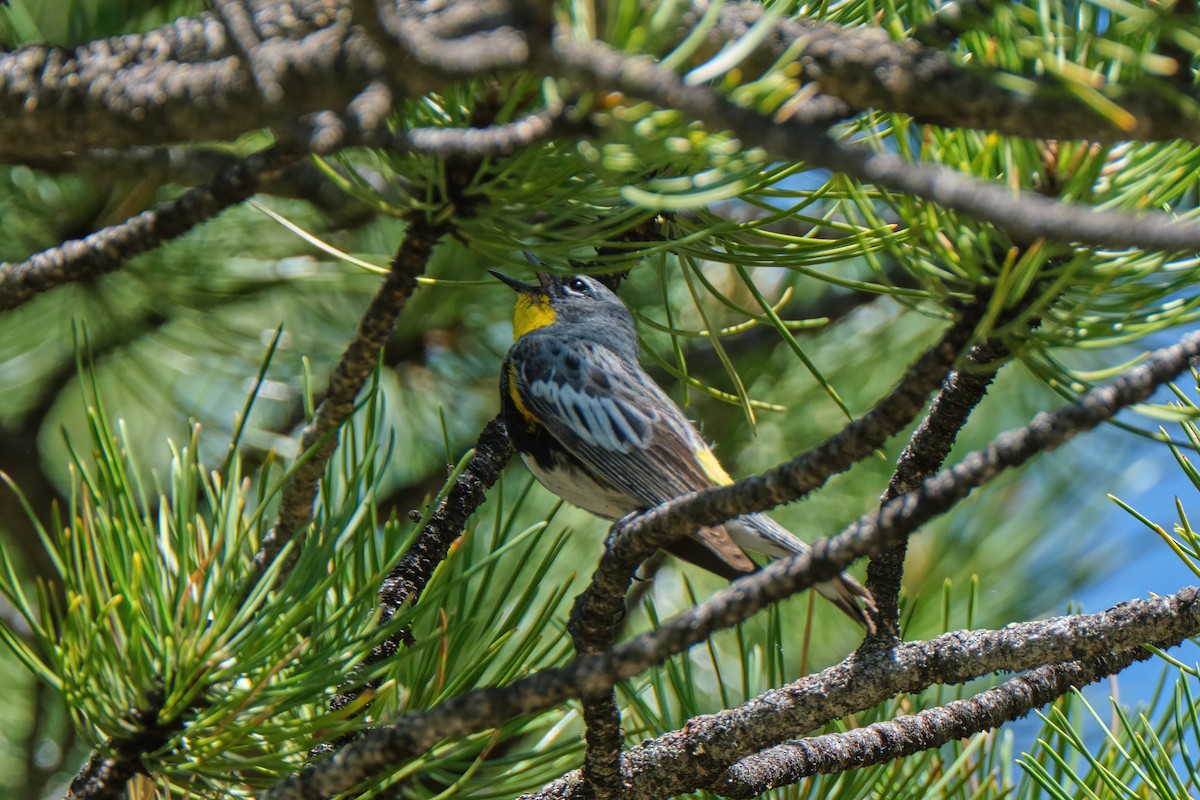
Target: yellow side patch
x: 712, y: 468
x: 532, y: 311
x: 515, y: 394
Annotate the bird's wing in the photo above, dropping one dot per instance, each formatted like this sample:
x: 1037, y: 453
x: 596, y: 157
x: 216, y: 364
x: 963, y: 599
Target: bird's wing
x: 613, y: 418
x: 616, y: 421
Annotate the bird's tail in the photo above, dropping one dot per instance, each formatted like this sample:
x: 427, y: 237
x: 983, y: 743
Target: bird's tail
x: 761, y: 534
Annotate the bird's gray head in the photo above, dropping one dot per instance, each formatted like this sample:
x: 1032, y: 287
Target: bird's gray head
x: 585, y: 306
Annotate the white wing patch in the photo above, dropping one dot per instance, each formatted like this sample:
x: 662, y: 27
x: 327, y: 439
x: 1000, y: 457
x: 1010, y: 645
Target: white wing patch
x: 599, y: 421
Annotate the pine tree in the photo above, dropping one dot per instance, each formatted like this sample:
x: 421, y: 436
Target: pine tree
x: 261, y: 537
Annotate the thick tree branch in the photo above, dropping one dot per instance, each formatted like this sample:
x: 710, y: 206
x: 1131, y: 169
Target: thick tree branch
x: 927, y: 449
x: 285, y: 61
x: 319, y: 438
x: 866, y: 68
x: 1025, y: 215
x: 905, y: 735
x: 698, y: 755
x: 173, y: 84
x: 177, y: 83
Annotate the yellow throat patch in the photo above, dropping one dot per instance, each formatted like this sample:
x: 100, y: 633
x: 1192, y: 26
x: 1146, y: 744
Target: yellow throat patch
x: 532, y: 311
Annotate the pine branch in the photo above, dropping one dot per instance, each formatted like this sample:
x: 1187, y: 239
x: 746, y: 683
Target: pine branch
x: 927, y: 449
x: 273, y: 64
x: 698, y: 755
x: 108, y: 770
x: 319, y: 438
x: 604, y: 742
x: 466, y: 40
x: 404, y: 584
x: 107, y: 249
x: 865, y: 68
x: 902, y: 736
x: 951, y: 20
x: 238, y: 19
x: 143, y: 89
x: 105, y: 776
x: 275, y: 68
x: 1026, y: 216
x: 684, y: 760
x: 598, y: 611
x: 874, y: 532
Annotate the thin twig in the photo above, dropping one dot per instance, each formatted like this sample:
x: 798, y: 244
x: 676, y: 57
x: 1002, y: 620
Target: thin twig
x: 494, y: 140
x: 405, y: 583
x: 107, y: 249
x: 927, y: 449
x: 407, y: 580
x: 319, y: 438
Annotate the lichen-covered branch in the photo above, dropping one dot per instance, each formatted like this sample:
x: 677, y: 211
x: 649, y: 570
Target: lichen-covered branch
x: 699, y: 755
x: 905, y: 735
x: 866, y: 68
x: 687, y: 759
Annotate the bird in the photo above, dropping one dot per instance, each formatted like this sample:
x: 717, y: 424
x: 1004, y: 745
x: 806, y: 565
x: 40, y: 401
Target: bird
x: 596, y: 430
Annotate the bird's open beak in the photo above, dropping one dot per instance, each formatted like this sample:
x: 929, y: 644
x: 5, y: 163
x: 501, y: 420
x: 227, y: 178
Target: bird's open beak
x: 516, y: 285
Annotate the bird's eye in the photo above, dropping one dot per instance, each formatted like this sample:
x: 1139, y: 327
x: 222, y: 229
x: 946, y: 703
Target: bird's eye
x: 578, y: 285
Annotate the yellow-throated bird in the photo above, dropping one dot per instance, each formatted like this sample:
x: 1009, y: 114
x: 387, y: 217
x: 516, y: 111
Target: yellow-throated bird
x: 595, y: 430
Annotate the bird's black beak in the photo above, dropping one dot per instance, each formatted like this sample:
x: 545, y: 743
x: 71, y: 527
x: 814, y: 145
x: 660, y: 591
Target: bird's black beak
x: 516, y: 285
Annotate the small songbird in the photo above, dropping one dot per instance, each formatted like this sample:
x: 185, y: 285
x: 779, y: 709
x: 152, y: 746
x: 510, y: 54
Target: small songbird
x: 594, y: 429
